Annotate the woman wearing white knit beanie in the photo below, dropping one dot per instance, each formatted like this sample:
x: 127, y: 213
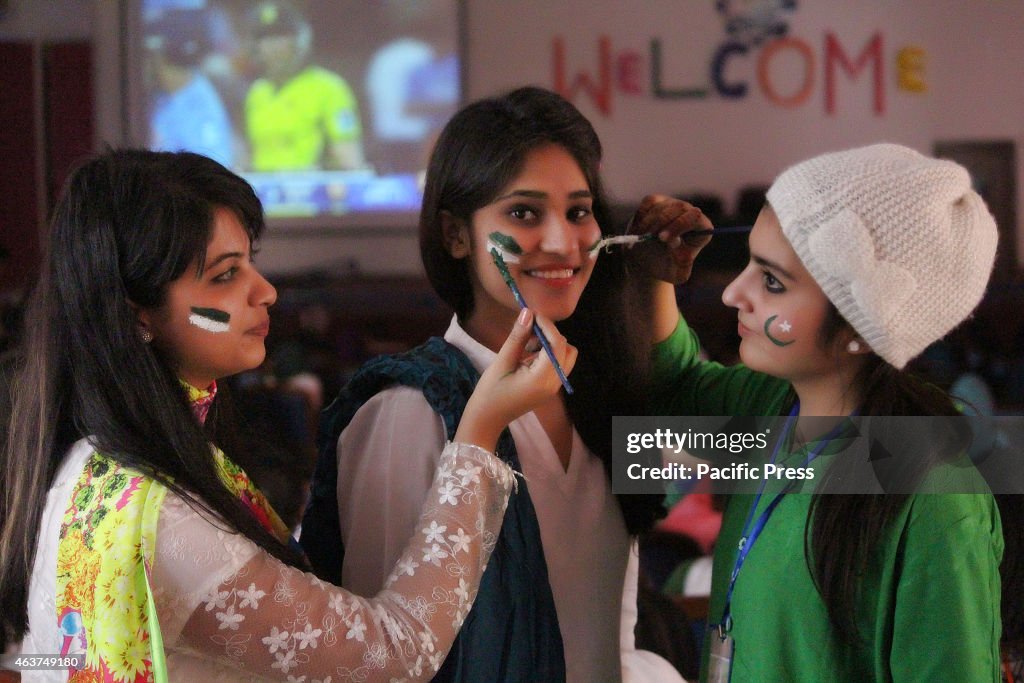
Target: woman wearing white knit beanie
x: 859, y: 260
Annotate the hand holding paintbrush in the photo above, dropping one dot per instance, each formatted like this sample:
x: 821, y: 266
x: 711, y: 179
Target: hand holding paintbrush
x: 690, y: 237
x: 501, y: 247
x: 668, y: 234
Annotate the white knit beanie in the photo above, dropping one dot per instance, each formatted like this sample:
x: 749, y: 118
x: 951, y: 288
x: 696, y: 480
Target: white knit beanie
x: 899, y: 242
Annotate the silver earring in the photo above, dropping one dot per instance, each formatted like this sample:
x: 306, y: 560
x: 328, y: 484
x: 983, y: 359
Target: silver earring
x: 853, y: 346
x: 147, y: 336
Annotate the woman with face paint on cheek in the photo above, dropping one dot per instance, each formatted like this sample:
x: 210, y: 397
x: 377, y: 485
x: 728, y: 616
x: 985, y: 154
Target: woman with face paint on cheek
x: 516, y: 174
x: 131, y: 539
x: 215, y: 318
x: 857, y: 262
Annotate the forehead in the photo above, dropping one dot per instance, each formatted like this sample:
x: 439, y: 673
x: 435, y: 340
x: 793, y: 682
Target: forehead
x: 549, y: 165
x: 227, y: 236
x: 227, y: 232
x: 767, y: 240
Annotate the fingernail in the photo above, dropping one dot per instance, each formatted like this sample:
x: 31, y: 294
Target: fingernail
x: 524, y: 317
x: 664, y: 235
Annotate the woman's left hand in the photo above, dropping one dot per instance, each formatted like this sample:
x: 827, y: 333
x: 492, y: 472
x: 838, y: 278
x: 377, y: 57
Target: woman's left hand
x: 669, y: 258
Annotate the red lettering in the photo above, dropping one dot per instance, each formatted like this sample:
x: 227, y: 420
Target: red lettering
x: 834, y: 55
x: 600, y: 92
x: 628, y: 72
x: 772, y: 49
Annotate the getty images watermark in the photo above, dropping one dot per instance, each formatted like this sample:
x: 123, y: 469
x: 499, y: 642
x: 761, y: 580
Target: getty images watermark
x: 856, y: 455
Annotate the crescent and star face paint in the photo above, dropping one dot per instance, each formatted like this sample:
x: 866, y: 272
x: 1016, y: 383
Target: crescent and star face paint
x: 775, y: 333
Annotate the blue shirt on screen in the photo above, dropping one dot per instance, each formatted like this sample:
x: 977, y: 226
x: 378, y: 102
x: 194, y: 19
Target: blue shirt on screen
x: 193, y: 119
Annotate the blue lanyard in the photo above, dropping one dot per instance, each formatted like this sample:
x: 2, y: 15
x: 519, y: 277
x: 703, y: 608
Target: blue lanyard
x: 750, y: 534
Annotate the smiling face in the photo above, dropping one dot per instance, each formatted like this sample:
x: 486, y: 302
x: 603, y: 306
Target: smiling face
x: 780, y: 309
x: 214, y: 323
x: 547, y: 210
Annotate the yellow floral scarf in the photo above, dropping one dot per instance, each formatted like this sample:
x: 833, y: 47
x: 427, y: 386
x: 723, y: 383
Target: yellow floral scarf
x: 106, y: 549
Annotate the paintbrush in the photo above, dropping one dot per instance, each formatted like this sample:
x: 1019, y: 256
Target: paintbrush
x: 688, y: 237
x: 730, y: 230
x: 503, y: 244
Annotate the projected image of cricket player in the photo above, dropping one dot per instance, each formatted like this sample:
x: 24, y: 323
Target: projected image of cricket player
x: 187, y: 111
x: 299, y: 116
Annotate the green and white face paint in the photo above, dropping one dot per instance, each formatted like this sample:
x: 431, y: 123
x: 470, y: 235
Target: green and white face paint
x: 210, y: 319
x: 504, y: 248
x: 783, y: 327
x: 507, y: 246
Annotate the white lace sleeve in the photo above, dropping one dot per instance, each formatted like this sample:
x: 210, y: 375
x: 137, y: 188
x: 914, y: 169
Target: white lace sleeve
x: 388, y: 455
x: 276, y: 621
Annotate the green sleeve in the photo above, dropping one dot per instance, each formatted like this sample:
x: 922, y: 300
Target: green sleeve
x: 684, y: 384
x: 947, y: 625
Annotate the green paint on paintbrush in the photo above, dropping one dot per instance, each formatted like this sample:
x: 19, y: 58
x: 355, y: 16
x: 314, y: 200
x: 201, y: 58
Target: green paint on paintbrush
x: 545, y: 344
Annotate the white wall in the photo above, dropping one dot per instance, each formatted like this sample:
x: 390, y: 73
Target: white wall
x: 973, y: 57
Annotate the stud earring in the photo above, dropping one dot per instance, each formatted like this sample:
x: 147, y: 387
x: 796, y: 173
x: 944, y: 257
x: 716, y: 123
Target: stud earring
x: 147, y: 336
x: 853, y: 346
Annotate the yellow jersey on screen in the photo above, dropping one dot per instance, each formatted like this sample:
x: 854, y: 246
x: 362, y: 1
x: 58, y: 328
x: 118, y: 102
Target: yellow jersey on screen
x: 288, y: 127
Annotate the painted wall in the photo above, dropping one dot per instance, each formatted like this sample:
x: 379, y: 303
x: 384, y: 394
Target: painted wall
x: 672, y: 118
x: 662, y: 136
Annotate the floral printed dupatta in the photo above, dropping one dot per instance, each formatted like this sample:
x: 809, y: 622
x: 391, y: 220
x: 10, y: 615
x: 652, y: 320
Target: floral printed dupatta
x: 105, y: 555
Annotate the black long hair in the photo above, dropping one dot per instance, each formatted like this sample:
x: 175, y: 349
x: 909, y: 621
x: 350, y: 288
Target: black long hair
x: 479, y: 152
x: 843, y: 530
x: 128, y: 223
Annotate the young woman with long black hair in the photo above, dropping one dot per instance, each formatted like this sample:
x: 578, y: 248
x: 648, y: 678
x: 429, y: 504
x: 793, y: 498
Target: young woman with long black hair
x: 559, y: 600
x: 131, y: 536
